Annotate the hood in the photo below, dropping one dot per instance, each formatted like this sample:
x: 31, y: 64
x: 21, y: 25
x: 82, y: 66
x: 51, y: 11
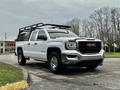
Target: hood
x: 75, y: 39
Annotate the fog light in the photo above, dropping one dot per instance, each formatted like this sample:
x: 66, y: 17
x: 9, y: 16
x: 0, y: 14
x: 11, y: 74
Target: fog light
x: 71, y: 56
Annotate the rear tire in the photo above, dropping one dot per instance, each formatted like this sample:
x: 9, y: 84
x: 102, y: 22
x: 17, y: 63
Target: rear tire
x: 21, y: 58
x: 55, y: 64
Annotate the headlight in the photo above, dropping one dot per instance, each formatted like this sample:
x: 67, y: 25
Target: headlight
x: 71, y: 45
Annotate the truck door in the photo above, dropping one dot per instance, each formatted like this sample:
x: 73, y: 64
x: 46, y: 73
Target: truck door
x: 41, y: 45
x: 29, y: 47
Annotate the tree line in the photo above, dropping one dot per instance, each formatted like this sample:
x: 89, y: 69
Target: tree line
x: 103, y: 24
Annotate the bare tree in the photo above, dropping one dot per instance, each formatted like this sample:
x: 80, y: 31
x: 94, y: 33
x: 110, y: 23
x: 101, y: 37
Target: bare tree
x: 75, y: 25
x: 105, y: 25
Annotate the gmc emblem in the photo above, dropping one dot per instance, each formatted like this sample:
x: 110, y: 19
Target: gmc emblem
x: 91, y: 44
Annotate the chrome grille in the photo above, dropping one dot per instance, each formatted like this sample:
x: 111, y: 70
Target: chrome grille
x: 89, y: 47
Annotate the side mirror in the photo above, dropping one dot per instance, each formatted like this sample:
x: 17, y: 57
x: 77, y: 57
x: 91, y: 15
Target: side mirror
x: 42, y: 37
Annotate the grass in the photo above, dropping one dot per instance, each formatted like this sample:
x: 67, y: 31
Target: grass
x: 9, y: 74
x: 112, y: 54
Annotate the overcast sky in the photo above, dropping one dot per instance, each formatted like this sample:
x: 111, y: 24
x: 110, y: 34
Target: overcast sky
x: 17, y: 13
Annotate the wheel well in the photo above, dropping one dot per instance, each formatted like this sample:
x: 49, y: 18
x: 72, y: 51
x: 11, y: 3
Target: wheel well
x: 53, y: 49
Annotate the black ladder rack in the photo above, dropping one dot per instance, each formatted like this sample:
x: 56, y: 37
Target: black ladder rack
x: 40, y: 25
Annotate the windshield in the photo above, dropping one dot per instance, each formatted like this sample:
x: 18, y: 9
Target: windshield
x: 58, y: 34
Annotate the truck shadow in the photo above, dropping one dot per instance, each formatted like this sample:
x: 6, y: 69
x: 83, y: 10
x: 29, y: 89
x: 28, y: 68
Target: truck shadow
x: 69, y: 70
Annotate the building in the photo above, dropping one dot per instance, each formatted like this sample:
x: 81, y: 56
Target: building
x: 7, y: 46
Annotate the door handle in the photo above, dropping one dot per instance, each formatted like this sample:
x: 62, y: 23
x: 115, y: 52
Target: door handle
x: 35, y: 43
x: 28, y: 43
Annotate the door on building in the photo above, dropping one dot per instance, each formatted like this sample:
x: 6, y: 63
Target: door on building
x: 1, y: 50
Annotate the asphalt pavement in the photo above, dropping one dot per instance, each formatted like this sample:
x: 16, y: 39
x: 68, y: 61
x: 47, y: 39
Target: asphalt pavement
x: 106, y: 77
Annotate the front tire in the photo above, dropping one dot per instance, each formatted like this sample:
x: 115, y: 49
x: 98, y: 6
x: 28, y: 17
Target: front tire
x: 21, y: 58
x: 55, y: 64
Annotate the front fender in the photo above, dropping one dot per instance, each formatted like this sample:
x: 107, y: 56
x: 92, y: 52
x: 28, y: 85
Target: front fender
x: 60, y: 45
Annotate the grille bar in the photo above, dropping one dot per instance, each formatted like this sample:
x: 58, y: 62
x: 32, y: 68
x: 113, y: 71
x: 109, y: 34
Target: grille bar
x: 89, y: 47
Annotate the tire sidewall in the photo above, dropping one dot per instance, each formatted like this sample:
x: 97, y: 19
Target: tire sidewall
x: 21, y: 58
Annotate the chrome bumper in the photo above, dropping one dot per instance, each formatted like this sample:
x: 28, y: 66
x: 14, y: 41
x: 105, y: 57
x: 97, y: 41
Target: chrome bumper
x: 73, y: 56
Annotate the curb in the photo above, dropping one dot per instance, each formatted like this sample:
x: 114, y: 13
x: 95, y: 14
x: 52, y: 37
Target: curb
x: 25, y: 73
x: 32, y: 79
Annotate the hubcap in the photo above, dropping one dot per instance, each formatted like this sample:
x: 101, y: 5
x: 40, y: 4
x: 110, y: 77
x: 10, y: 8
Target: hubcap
x: 53, y: 63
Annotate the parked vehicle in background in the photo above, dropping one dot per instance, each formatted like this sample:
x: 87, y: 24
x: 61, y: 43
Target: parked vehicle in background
x: 58, y: 46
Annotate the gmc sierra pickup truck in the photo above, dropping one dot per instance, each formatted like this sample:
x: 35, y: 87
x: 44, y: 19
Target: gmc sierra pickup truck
x: 58, y: 46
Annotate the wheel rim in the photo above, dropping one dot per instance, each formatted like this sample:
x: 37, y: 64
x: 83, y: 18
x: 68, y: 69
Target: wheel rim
x: 53, y: 63
x: 19, y: 58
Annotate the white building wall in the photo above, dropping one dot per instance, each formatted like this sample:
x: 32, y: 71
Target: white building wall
x: 9, y: 48
x: 2, y: 47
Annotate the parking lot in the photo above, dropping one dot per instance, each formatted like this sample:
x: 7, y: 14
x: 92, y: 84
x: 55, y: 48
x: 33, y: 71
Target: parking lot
x: 106, y: 77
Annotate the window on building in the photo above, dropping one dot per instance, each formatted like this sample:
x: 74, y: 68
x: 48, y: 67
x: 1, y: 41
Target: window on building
x: 5, y: 50
x: 1, y: 44
x: 1, y: 50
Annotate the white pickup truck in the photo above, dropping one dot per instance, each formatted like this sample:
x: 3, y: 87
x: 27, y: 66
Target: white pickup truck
x: 58, y: 46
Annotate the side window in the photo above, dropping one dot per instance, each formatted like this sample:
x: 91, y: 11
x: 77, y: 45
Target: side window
x: 33, y: 37
x: 23, y: 36
x: 42, y: 35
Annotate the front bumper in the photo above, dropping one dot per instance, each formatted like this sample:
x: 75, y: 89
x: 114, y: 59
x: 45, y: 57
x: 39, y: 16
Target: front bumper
x: 74, y: 57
